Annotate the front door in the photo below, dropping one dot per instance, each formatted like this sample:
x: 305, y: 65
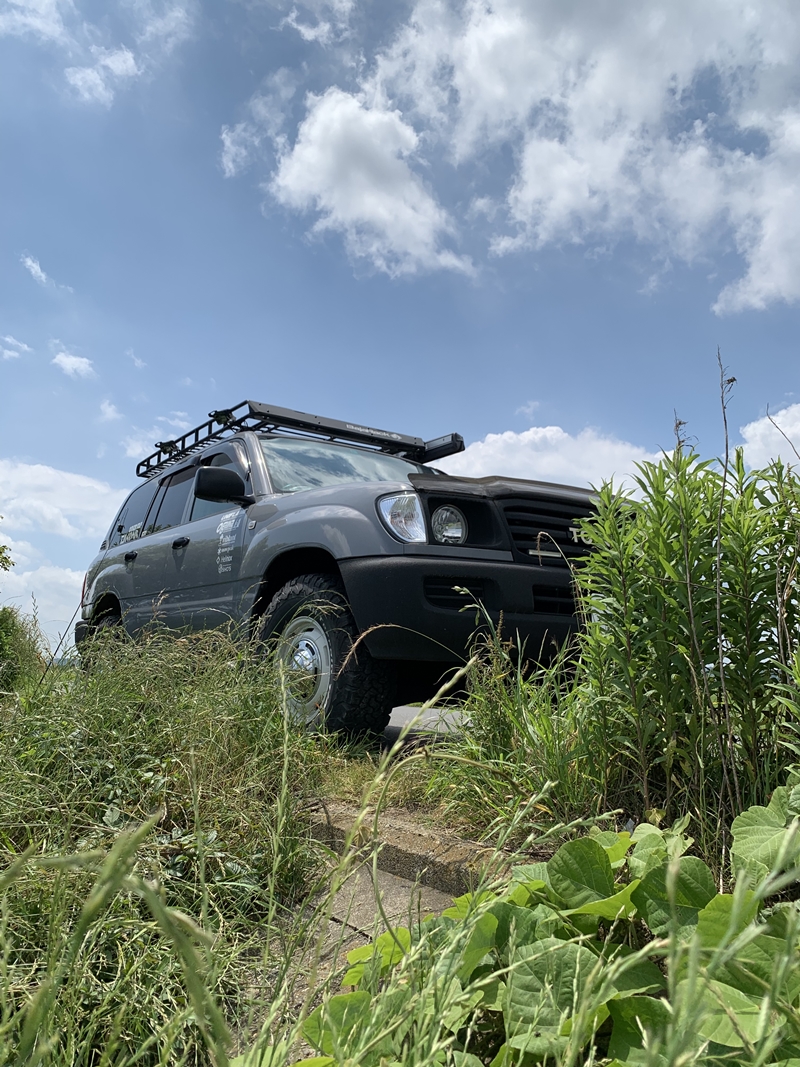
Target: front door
x: 203, y: 565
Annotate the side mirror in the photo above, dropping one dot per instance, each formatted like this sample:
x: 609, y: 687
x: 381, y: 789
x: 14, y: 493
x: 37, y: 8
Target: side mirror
x: 221, y: 485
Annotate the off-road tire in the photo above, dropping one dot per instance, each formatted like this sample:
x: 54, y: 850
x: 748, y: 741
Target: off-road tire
x: 358, y: 699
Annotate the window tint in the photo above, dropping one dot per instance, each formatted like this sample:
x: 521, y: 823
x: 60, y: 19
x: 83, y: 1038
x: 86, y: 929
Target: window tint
x: 173, y: 501
x: 202, y: 508
x: 297, y: 464
x: 128, y: 525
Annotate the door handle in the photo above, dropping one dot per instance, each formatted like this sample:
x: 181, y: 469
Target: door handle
x: 180, y: 542
x: 129, y: 557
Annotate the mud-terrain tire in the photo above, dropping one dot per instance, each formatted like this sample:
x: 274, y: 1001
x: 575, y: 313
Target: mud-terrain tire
x: 309, y: 630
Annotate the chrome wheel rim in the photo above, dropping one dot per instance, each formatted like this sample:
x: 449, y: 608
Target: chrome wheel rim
x: 304, y: 655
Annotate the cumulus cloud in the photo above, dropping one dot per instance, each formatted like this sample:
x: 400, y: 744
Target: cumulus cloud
x: 74, y: 366
x: 139, y: 364
x: 330, y: 20
x: 97, y: 83
x: 351, y: 164
x: 33, y: 267
x: 671, y: 123
x: 99, y: 66
x: 265, y: 116
x: 141, y: 442
x: 549, y: 453
x: 38, y: 18
x: 15, y: 348
x: 109, y: 412
x: 52, y: 593
x: 764, y: 441
x: 34, y: 496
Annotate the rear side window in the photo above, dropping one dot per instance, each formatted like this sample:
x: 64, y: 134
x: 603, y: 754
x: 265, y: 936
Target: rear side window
x: 128, y: 525
x: 173, y: 501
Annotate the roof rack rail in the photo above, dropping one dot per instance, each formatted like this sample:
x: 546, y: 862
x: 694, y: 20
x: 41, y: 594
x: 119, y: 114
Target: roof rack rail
x: 252, y: 415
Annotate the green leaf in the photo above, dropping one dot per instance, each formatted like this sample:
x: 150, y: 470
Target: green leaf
x: 615, y: 844
x: 724, y: 917
x: 620, y: 906
x: 693, y: 889
x: 650, y: 851
x: 329, y: 1025
x: 481, y: 941
x: 580, y: 872
x: 755, y: 966
x: 384, y: 950
x: 633, y: 1018
x: 465, y: 1059
x: 720, y: 1002
x: 645, y: 829
x: 759, y: 835
x: 544, y: 984
x: 514, y: 924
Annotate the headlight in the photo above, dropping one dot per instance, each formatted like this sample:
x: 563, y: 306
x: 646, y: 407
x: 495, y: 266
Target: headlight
x: 402, y: 515
x: 449, y: 526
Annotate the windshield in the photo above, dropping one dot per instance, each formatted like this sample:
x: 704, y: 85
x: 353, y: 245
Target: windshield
x: 295, y: 464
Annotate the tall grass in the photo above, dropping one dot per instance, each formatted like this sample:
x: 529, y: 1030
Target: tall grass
x: 108, y: 936
x: 691, y: 598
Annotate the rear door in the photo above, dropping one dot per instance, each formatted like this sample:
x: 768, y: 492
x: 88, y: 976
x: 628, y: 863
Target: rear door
x: 155, y: 547
x: 201, y: 573
x: 115, y: 574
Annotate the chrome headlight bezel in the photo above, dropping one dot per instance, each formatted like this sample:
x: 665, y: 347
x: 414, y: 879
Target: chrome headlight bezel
x: 402, y: 515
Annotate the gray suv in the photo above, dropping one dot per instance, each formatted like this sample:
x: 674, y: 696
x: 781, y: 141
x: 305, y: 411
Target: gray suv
x: 340, y: 550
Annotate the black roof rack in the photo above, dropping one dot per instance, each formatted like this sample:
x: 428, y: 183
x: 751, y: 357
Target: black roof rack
x: 251, y: 415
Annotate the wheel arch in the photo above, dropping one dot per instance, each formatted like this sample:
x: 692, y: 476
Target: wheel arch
x: 288, y: 565
x: 107, y: 604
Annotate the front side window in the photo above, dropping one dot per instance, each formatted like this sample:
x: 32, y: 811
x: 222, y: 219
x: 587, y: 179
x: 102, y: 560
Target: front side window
x: 128, y: 525
x: 295, y: 464
x: 173, y: 501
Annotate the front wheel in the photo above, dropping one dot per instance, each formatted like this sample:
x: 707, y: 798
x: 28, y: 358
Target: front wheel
x: 310, y: 632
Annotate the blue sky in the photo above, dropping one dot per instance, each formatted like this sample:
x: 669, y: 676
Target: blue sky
x: 530, y: 222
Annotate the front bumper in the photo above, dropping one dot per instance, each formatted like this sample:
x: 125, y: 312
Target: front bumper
x: 406, y: 608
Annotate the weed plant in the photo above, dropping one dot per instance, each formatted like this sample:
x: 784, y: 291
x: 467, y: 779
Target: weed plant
x: 688, y: 660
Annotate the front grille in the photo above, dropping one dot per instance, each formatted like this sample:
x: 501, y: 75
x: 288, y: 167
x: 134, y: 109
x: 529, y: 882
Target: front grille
x: 440, y: 592
x: 540, y: 530
x: 553, y: 600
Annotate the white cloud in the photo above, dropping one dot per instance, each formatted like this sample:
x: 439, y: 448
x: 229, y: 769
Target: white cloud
x: 671, y: 123
x: 351, y: 164
x: 266, y: 113
x: 74, y: 366
x: 97, y: 84
x: 19, y: 345
x: 332, y: 20
x: 32, y: 266
x: 39, y: 18
x: 34, y: 269
x: 52, y: 593
x: 34, y: 496
x: 141, y: 442
x: 763, y: 440
x: 165, y: 25
x: 549, y: 453
x: 15, y: 350
x: 108, y: 412
x: 139, y: 364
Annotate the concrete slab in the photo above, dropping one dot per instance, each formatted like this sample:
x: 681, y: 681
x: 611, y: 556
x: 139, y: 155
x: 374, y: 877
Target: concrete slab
x: 407, y: 848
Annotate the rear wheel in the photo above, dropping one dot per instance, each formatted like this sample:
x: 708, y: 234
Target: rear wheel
x: 310, y: 631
